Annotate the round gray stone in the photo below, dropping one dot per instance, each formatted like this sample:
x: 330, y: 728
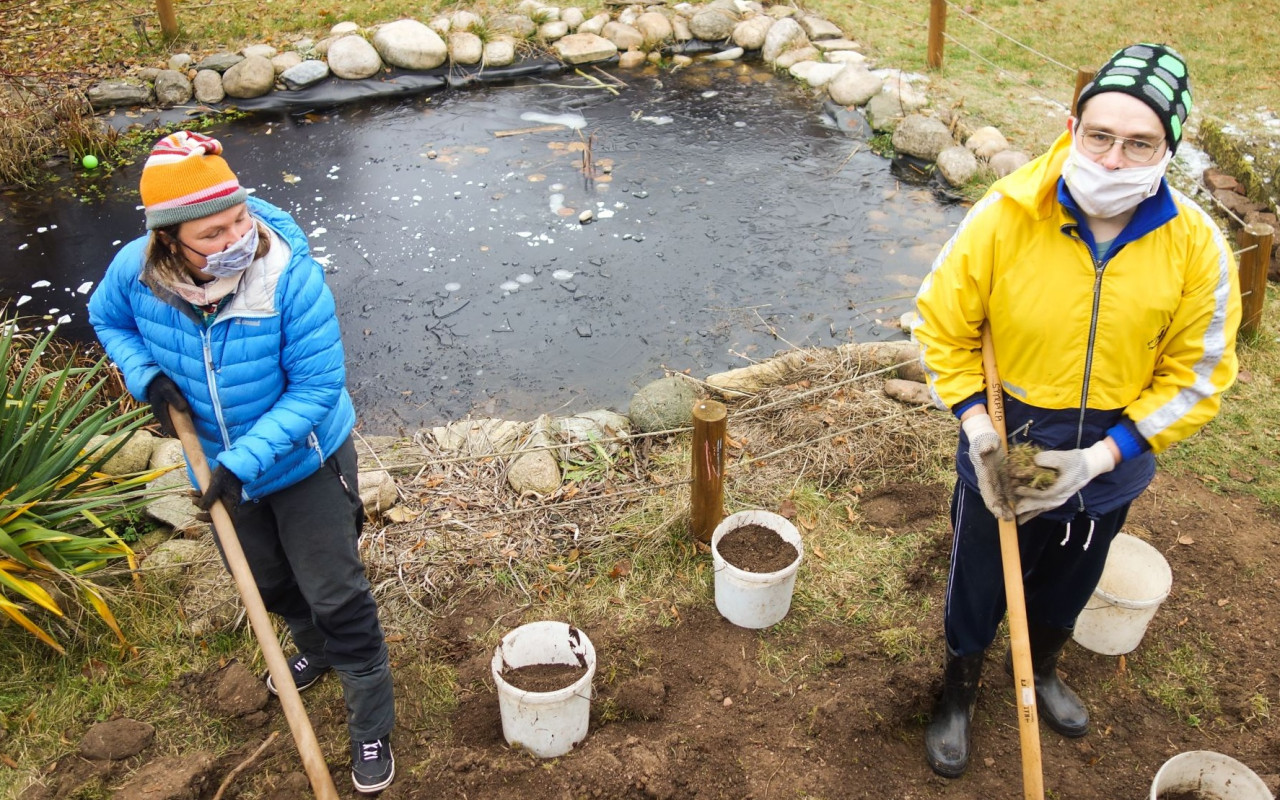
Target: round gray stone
x: 663, y: 404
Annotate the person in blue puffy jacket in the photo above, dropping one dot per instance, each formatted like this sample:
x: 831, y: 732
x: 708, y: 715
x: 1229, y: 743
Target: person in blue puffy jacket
x: 221, y: 312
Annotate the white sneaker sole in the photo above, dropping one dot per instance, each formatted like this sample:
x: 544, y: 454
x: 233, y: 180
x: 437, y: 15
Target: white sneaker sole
x: 375, y: 787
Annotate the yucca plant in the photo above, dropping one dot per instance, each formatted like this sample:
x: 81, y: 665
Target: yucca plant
x: 56, y: 507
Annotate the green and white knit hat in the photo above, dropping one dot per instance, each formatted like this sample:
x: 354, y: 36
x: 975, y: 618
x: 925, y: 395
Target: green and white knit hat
x: 1155, y: 74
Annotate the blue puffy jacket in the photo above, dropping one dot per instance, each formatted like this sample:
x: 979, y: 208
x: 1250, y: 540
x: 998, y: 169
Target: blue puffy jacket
x: 266, y: 380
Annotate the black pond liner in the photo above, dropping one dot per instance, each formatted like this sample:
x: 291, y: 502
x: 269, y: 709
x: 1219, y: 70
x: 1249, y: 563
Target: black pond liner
x: 737, y: 217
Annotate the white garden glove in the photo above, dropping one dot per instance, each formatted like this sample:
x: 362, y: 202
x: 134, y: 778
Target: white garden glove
x: 1075, y: 469
x: 987, y: 454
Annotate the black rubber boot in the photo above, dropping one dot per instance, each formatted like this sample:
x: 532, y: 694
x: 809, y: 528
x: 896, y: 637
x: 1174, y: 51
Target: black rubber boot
x: 1059, y: 706
x: 946, y: 739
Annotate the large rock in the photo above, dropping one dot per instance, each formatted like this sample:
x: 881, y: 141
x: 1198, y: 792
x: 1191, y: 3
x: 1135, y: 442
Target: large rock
x: 595, y: 24
x: 539, y: 471
x: 1007, y: 161
x: 550, y: 31
x: 353, y: 58
x: 208, y: 87
x: 463, y: 20
x: 285, y: 61
x: 815, y: 73
x: 252, y: 77
x: 499, y: 53
x: 632, y: 59
x: 845, y: 57
x: 408, y: 44
x: 663, y: 404
x: 305, y: 74
x: 377, y: 492
x: 134, y: 455
x: 783, y: 35
x: 854, y: 86
x: 884, y: 111
x: 172, y: 88
x: 921, y: 136
x: 167, y: 453
x: 517, y: 25
x: 171, y: 778
x: 910, y: 98
x: 119, y: 92
x: 180, y: 62
x: 116, y: 739
x: 792, y: 57
x: 264, y: 50
x: 817, y: 28
x: 837, y: 45
x: 344, y: 28
x: 913, y: 393
x: 174, y: 508
x: 623, y: 36
x: 750, y: 33
x: 592, y: 426
x: 712, y: 24
x: 957, y: 165
x: 165, y: 568
x: 581, y: 48
x: 986, y: 142
x: 732, y: 54
x: 219, y: 62
x: 573, y: 17
x: 465, y: 48
x: 479, y: 436
x: 654, y: 27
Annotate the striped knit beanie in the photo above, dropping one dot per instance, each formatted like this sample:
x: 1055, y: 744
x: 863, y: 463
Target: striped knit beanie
x: 1153, y: 73
x: 186, y: 178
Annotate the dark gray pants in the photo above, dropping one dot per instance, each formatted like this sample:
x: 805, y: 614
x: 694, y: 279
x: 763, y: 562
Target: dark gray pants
x: 300, y: 543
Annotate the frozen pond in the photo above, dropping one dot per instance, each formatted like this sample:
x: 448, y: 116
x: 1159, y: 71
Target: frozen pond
x: 732, y: 219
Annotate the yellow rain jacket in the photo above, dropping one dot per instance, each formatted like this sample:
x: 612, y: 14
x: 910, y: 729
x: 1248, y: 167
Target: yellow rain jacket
x: 1138, y: 344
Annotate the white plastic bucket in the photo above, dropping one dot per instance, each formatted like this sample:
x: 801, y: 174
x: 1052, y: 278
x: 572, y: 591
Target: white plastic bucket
x: 1211, y: 776
x: 1134, y: 582
x: 547, y: 724
x: 754, y: 599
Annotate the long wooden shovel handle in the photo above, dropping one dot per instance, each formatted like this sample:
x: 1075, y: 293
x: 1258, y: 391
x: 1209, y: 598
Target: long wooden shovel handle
x: 299, y: 725
x: 1019, y: 640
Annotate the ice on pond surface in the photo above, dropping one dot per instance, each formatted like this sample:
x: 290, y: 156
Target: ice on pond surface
x: 572, y: 121
x: 509, y: 286
x: 452, y: 287
x: 40, y: 284
x: 658, y: 120
x: 524, y: 277
x: 562, y: 275
x: 85, y: 287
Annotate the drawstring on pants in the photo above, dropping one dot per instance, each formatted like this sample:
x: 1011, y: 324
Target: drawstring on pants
x: 1087, y: 539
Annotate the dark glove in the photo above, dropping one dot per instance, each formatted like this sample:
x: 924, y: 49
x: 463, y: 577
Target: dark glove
x: 163, y: 393
x: 1075, y: 469
x: 988, y: 464
x: 224, y: 486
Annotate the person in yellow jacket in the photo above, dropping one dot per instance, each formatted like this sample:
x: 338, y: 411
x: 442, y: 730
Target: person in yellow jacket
x: 1113, y: 304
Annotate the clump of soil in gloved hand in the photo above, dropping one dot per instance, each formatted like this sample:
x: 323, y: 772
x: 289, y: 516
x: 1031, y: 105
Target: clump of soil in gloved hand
x: 1021, y: 469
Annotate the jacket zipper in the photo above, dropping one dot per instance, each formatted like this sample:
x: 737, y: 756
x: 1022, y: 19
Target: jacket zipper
x: 209, y: 375
x: 1098, y: 268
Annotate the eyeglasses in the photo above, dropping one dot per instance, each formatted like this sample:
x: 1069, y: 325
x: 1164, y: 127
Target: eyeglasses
x: 1137, y: 150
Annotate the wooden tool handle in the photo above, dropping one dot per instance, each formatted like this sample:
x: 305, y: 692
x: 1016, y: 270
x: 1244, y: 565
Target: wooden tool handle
x: 1019, y: 639
x: 299, y: 725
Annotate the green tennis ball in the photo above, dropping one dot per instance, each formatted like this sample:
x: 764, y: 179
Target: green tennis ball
x: 90, y: 161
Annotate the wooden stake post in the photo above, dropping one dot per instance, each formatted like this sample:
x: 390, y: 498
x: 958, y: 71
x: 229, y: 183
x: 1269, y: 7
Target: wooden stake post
x: 1083, y: 76
x: 937, y: 28
x: 168, y: 20
x: 299, y: 725
x: 1255, y: 262
x: 1015, y: 600
x: 707, y: 496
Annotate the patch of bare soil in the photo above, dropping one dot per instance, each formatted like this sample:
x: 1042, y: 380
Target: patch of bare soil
x: 689, y: 710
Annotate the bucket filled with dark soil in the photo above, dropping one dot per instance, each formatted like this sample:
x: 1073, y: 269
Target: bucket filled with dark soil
x: 756, y: 555
x: 1206, y: 775
x: 543, y: 672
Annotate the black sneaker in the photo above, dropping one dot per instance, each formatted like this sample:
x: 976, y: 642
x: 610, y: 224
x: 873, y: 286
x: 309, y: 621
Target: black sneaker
x: 372, y: 765
x: 305, y: 674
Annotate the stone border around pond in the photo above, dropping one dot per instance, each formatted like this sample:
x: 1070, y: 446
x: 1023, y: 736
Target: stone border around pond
x: 462, y: 48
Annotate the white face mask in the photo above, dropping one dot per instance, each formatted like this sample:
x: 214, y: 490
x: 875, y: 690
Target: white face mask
x: 236, y: 258
x: 1105, y: 193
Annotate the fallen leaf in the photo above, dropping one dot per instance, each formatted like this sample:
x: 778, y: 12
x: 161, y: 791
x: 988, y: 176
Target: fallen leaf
x: 787, y: 508
x: 290, y: 178
x: 808, y: 524
x: 489, y: 534
x: 573, y: 555
x: 848, y: 512
x: 556, y: 567
x: 620, y: 570
x: 402, y: 514
x: 1224, y: 602
x: 1184, y: 539
x: 433, y: 482
x: 675, y: 612
x: 394, y: 637
x: 1122, y: 665
x: 817, y: 551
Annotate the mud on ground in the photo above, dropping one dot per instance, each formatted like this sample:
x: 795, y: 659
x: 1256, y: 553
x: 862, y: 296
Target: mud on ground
x: 691, y: 710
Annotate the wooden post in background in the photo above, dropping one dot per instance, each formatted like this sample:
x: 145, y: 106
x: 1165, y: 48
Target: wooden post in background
x: 937, y: 27
x: 1255, y: 261
x: 168, y: 20
x: 1083, y: 76
x: 706, y: 499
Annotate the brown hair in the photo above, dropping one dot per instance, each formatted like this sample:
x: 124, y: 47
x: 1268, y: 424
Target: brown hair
x: 166, y: 263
